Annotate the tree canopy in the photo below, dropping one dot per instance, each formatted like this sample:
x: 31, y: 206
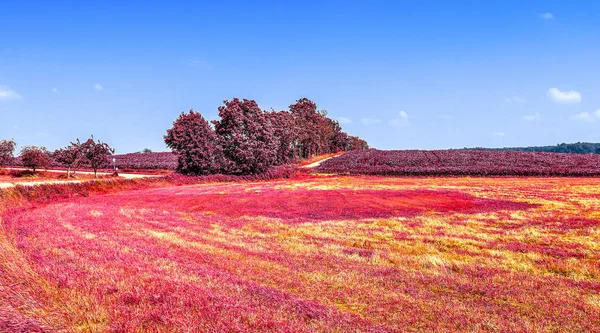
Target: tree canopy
x: 249, y: 140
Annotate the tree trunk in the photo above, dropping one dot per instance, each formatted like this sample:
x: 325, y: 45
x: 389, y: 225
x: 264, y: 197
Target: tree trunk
x: 69, y: 173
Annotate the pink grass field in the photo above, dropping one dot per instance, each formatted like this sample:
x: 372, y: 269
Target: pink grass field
x: 312, y: 254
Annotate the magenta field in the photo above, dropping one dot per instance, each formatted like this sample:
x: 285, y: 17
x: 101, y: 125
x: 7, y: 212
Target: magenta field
x: 462, y: 163
x: 309, y: 254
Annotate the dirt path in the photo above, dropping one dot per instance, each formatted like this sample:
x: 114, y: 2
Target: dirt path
x: 317, y: 163
x: 56, y: 181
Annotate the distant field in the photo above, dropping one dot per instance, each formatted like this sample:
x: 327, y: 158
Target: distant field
x: 462, y: 163
x: 133, y: 161
x: 161, y: 160
x: 325, y: 254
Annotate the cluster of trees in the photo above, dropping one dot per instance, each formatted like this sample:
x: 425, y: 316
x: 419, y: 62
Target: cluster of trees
x: 91, y: 153
x: 248, y: 140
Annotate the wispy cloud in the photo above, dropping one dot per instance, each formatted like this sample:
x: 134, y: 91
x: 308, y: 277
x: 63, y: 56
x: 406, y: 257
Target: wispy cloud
x: 532, y: 117
x: 369, y: 121
x: 402, y: 120
x: 546, y: 16
x: 499, y: 134
x: 344, y: 120
x: 98, y: 87
x: 55, y: 90
x: 565, y: 97
x: 587, y: 116
x: 7, y: 94
x: 515, y: 99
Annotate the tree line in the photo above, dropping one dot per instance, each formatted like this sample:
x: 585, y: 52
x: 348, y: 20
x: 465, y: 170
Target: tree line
x: 91, y: 153
x: 245, y: 140
x: 249, y: 140
x: 570, y: 148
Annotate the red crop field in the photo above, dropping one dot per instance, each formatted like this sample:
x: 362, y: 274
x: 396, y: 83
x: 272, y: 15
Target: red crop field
x: 134, y: 161
x: 462, y: 163
x: 311, y: 254
x: 159, y: 160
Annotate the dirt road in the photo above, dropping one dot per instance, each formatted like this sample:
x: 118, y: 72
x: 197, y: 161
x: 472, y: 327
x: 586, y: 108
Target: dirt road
x: 58, y: 181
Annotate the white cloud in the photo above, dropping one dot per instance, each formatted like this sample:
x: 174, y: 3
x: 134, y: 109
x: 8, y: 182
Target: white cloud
x: 401, y: 121
x: 546, y: 16
x: 98, y: 87
x: 587, y: 116
x: 564, y: 96
x: 532, y: 117
x: 499, y: 134
x: 344, y: 120
x: 55, y: 90
x: 515, y: 99
x: 7, y: 94
x: 369, y: 121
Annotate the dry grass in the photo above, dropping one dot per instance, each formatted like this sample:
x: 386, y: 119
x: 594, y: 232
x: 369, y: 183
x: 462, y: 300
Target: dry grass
x: 320, y: 254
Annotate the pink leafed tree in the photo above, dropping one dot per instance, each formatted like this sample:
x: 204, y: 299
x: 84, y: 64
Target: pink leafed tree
x: 96, y: 153
x: 286, y: 135
x: 7, y: 148
x: 35, y: 157
x: 195, y: 143
x: 71, y: 156
x: 246, y: 137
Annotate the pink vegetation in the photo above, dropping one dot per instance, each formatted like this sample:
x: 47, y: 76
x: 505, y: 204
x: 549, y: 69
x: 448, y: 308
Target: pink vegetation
x: 462, y: 162
x: 321, y: 254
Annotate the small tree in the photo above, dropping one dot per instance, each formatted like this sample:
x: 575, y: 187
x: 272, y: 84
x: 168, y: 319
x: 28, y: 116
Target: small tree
x: 7, y: 148
x: 194, y: 142
x: 96, y: 153
x: 35, y: 157
x: 71, y: 156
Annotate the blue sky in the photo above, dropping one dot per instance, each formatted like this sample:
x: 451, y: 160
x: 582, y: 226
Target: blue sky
x: 400, y: 74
